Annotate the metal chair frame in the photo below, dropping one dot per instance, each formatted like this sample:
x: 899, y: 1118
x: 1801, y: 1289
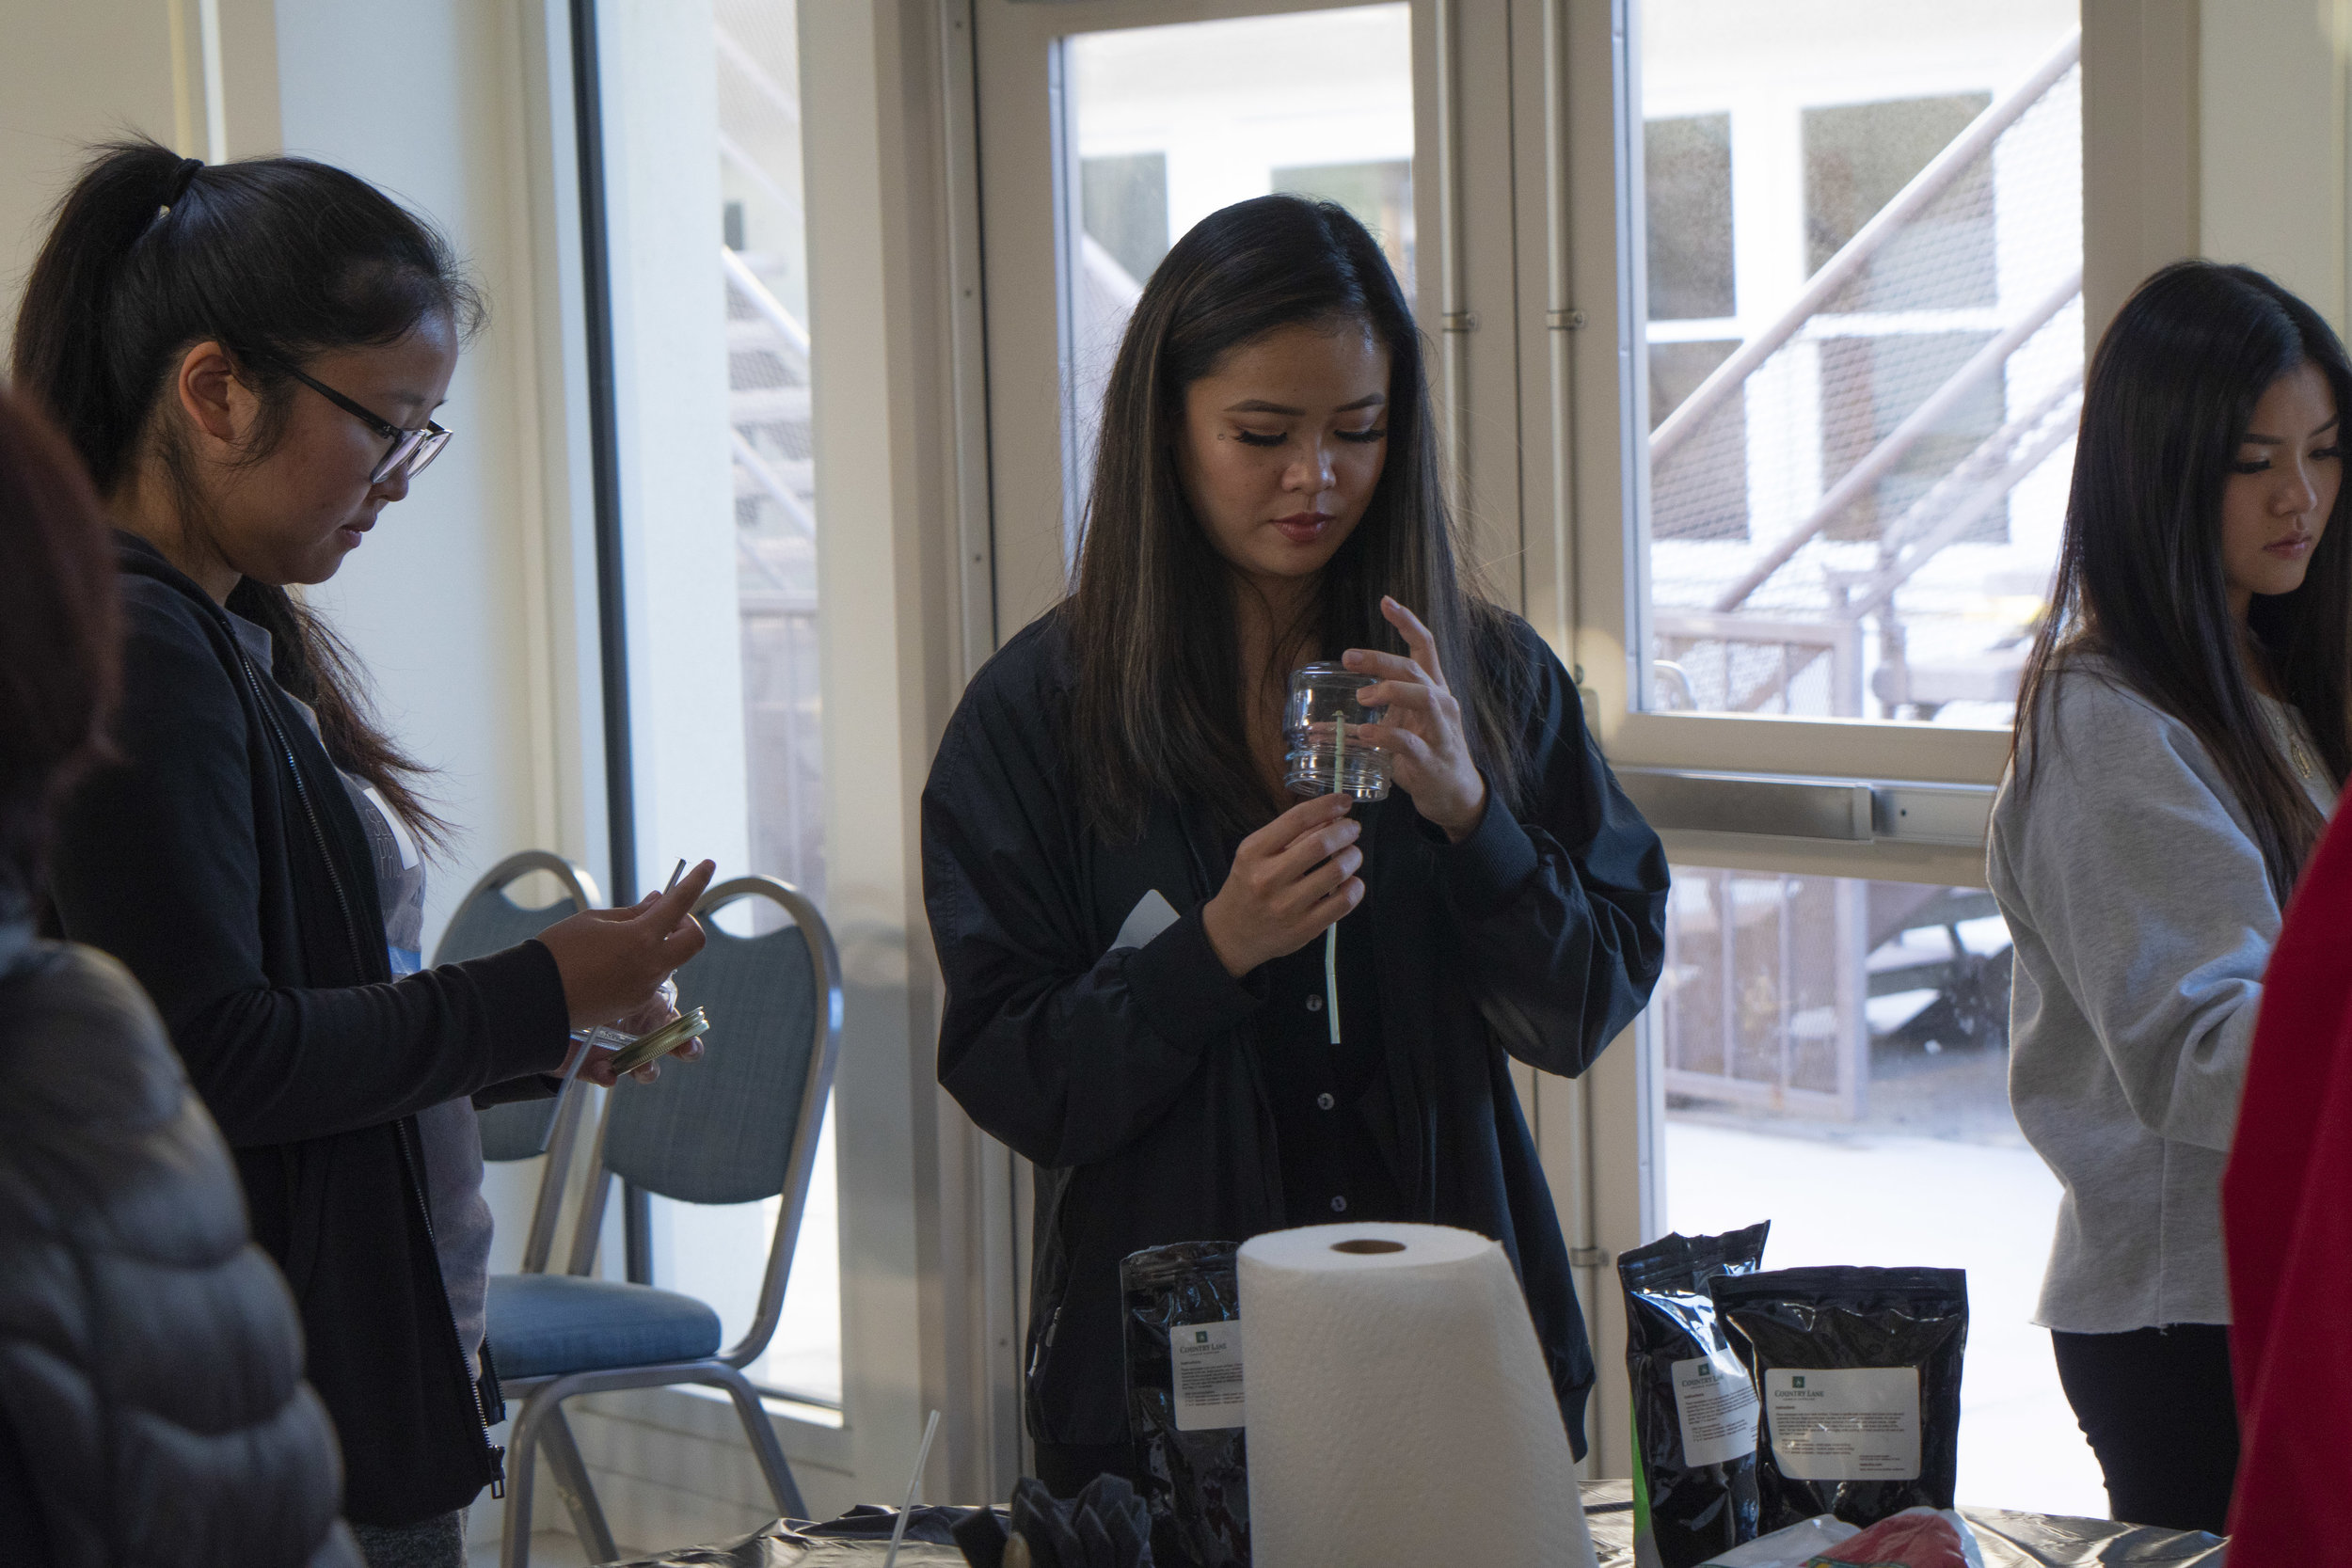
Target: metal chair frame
x: 570, y: 1104
x: 541, y: 1417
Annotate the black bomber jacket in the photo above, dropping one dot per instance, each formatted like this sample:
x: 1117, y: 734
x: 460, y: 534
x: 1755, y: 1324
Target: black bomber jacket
x: 1128, y: 1074
x: 221, y: 861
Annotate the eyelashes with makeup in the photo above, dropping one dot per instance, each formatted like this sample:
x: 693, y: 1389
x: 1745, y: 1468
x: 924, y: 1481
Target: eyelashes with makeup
x: 1361, y: 437
x: 2262, y: 465
x: 2327, y: 454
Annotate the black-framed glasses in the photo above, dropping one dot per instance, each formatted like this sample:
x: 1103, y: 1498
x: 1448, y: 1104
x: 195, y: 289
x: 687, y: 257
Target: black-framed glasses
x: 411, y: 450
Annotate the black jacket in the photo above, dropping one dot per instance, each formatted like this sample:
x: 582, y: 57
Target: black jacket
x: 151, y: 1404
x: 1127, y: 1076
x: 223, y: 863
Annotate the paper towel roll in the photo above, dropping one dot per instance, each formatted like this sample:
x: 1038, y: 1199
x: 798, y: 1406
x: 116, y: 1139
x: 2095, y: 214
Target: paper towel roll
x: 1399, y: 1412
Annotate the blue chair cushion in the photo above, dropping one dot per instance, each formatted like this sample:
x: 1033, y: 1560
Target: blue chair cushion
x: 542, y: 1325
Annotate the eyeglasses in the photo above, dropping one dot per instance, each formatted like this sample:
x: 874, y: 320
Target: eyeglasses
x: 411, y: 451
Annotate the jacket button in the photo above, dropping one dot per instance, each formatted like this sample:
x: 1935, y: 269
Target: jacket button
x: 1315, y: 1004
x: 1339, y: 1206
x: 1323, y: 1103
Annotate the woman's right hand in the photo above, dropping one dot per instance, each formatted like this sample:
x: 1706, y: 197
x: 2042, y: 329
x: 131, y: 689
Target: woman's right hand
x: 611, y: 960
x: 1291, y: 879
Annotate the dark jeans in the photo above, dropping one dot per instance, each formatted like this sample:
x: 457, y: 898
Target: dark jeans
x: 1065, y: 1471
x: 2157, y: 1407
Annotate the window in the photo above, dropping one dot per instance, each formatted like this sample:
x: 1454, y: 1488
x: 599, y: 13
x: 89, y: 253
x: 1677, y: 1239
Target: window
x: 708, y: 236
x: 1834, y: 1054
x: 1864, y: 264
x: 1863, y: 236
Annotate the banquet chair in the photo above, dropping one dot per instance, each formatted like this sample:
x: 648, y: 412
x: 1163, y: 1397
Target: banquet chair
x: 489, y: 921
x: 738, y: 1126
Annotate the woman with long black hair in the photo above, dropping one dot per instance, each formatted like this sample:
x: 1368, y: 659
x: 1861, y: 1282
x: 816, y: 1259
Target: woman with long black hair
x: 2184, y: 723
x: 247, y: 358
x: 1128, y: 916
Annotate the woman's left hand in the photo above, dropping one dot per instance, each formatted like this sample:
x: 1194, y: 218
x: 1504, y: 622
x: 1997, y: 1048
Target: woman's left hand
x: 1422, y: 728
x: 655, y: 1011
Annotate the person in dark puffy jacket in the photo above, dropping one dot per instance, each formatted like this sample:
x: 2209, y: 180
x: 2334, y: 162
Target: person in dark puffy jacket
x: 152, y: 1408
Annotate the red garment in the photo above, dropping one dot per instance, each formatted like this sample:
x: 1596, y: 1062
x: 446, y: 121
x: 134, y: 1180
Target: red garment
x: 2287, y: 1203
x: 1915, y: 1538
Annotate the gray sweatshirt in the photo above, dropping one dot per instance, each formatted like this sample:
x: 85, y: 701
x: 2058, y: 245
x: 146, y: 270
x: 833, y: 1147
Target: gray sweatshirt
x: 2143, y: 919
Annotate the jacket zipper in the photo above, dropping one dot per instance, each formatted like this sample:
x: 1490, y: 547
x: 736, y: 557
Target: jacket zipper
x: 412, y: 1159
x: 405, y: 1129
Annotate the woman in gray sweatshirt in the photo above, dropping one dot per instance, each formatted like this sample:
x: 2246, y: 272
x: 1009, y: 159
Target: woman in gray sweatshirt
x: 2181, y: 735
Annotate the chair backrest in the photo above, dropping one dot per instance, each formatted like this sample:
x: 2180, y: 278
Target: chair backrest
x: 488, y: 920
x: 742, y: 1123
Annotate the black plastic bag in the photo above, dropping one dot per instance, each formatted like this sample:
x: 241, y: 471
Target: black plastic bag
x: 1185, y: 1405
x: 1694, y: 1410
x: 1859, y: 1371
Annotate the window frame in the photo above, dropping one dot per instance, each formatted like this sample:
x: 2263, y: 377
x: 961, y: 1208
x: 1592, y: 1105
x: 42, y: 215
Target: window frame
x: 1713, y: 756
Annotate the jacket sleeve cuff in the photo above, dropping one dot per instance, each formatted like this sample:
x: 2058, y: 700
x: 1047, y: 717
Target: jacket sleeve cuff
x: 537, y: 1085
x: 1487, y: 869
x: 529, y: 1024
x: 1180, y: 986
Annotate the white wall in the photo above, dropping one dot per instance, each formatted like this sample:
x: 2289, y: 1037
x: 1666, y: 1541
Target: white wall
x: 2272, y: 161
x: 448, y: 602
x: 57, y: 94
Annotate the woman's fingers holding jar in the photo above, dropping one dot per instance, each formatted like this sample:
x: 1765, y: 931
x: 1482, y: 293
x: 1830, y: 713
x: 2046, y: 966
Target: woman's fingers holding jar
x: 1326, y: 892
x: 597, y: 1068
x: 1267, y: 906
x: 651, y: 1014
x: 1317, y: 881
x: 1284, y: 870
x: 1420, y: 726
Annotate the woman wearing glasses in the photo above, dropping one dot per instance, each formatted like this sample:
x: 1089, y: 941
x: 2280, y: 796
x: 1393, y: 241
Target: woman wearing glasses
x: 247, y: 358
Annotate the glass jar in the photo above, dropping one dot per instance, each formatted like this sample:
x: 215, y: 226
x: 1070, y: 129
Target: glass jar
x: 1324, y: 757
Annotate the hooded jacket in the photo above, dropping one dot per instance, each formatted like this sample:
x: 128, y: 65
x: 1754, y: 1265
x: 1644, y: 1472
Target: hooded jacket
x: 1128, y: 1073
x: 151, y: 1404
x: 223, y: 865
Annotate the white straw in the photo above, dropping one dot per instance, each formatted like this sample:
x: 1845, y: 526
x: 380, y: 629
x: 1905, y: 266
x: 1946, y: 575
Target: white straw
x: 1331, y: 932
x: 1331, y: 976
x: 922, y: 1456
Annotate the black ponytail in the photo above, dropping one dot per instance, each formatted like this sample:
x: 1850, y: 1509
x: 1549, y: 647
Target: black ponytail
x: 279, y: 259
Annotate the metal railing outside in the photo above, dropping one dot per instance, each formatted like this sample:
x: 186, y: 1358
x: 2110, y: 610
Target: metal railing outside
x: 1772, y: 612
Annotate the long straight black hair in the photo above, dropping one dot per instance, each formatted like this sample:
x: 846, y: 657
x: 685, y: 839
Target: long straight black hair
x: 2171, y: 395
x: 1152, y: 621
x: 278, y: 259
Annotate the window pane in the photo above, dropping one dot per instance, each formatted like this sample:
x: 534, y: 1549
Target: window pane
x: 1686, y: 167
x: 709, y: 234
x: 768, y: 374
x: 1864, y: 355
x: 1171, y: 124
x: 1835, y: 1055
